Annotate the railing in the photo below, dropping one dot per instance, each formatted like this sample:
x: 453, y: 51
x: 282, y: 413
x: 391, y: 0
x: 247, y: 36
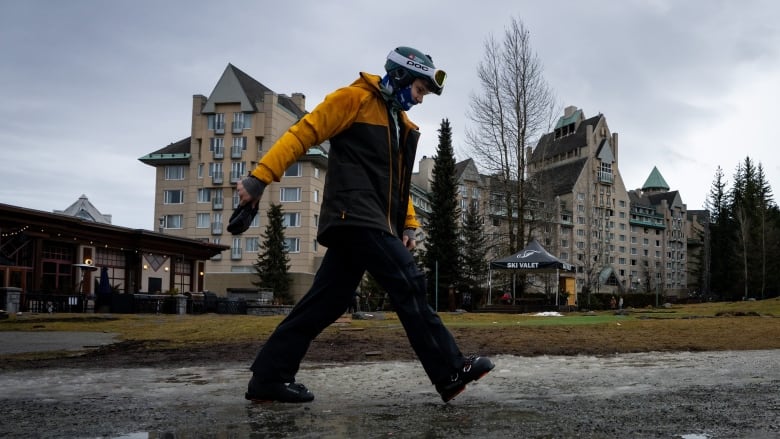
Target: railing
x: 217, y: 203
x: 216, y: 228
x: 139, y: 303
x: 236, y: 152
x: 238, y: 127
x: 53, y: 302
x: 217, y: 177
x: 606, y: 177
x: 219, y: 152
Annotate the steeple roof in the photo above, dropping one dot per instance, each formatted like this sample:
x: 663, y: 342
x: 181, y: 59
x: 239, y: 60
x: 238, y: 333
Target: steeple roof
x: 655, y: 182
x: 83, y: 209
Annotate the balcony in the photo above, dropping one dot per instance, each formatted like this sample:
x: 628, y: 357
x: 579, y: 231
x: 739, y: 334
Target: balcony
x: 217, y: 204
x: 606, y: 177
x: 236, y: 152
x: 219, y: 152
x: 238, y: 127
x: 216, y: 228
x: 219, y: 128
x: 235, y: 177
x: 235, y: 253
x: 217, y: 177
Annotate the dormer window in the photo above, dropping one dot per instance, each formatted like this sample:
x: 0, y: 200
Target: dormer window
x: 564, y: 131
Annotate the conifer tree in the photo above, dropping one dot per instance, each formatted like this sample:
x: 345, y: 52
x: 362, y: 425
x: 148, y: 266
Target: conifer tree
x: 441, y: 248
x: 273, y: 263
x: 473, y: 252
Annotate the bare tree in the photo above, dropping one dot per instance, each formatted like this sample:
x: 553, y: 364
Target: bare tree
x: 743, y: 223
x: 512, y: 109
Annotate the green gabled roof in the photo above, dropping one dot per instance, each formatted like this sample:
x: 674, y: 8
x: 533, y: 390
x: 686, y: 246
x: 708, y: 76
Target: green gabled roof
x: 655, y: 181
x: 174, y: 153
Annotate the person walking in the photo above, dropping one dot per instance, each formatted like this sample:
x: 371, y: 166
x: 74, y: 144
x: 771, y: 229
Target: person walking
x: 367, y: 223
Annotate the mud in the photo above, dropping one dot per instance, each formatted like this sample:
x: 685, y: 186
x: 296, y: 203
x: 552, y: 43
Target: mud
x: 728, y: 394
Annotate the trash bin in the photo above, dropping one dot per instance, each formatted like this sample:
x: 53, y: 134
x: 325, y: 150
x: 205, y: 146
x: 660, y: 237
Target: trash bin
x: 209, y: 301
x: 10, y: 299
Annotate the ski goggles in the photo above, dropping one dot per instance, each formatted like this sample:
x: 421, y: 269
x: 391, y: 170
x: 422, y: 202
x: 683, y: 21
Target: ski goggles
x: 435, y: 75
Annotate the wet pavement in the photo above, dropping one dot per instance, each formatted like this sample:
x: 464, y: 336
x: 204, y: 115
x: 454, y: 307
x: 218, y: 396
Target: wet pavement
x: 16, y: 342
x: 692, y: 395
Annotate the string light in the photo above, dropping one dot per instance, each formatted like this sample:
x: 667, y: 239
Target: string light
x: 14, y: 233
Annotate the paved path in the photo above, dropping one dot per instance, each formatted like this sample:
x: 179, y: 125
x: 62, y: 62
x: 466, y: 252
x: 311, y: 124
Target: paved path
x: 17, y: 342
x: 701, y: 395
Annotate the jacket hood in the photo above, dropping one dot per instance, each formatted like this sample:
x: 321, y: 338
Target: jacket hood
x: 368, y: 81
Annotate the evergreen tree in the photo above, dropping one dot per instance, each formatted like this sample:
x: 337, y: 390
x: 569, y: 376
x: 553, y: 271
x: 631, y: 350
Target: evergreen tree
x: 474, y: 253
x: 442, y: 242
x: 273, y: 264
x: 751, y: 204
x: 721, y: 237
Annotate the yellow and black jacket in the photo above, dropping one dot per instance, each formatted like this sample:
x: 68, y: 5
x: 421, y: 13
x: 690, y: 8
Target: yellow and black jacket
x: 369, y: 167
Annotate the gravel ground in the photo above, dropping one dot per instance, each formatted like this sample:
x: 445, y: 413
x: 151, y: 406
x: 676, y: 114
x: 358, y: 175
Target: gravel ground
x: 692, y: 395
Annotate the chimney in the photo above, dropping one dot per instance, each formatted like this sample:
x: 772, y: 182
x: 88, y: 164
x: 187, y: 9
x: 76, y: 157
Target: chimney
x: 300, y: 100
x: 568, y: 111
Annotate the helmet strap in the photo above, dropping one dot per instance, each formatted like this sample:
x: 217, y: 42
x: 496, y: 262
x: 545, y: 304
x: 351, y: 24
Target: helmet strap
x: 400, y: 78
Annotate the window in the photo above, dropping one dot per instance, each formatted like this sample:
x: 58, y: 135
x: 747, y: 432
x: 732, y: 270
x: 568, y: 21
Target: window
x: 294, y: 170
x: 217, y: 147
x: 316, y: 196
x: 200, y: 170
x: 252, y: 245
x: 291, y: 219
x: 290, y: 194
x: 235, y: 249
x: 292, y: 245
x: 316, y: 172
x: 217, y: 121
x: 236, y: 200
x: 172, y: 222
x: 203, y: 221
x: 241, y: 121
x: 237, y: 171
x: 215, y: 170
x: 204, y: 195
x: 174, y: 172
x: 175, y: 196
x: 316, y: 220
x: 238, y: 147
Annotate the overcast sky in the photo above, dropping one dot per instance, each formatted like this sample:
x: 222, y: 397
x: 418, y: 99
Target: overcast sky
x: 89, y: 86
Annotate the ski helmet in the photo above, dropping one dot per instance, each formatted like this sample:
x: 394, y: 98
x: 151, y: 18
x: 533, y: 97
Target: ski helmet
x: 404, y: 64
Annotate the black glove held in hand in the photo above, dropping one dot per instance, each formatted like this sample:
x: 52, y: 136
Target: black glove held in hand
x: 243, y: 215
x: 242, y: 218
